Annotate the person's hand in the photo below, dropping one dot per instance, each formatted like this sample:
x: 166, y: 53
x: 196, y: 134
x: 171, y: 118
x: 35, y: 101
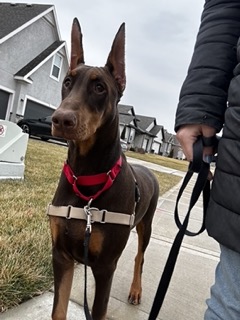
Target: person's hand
x: 188, y: 134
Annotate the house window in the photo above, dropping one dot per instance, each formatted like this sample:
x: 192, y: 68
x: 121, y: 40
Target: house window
x: 56, y: 67
x: 132, y: 135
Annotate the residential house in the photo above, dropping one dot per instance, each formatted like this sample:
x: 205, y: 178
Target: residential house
x: 177, y: 149
x: 167, y: 145
x: 147, y: 131
x: 127, y: 124
x: 158, y: 141
x: 171, y: 147
x: 139, y: 131
x: 33, y: 61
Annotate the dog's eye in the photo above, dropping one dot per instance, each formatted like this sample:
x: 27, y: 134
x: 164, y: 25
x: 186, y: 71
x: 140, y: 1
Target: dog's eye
x: 99, y: 88
x: 67, y: 82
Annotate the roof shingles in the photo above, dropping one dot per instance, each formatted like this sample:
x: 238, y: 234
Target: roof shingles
x: 15, y: 15
x: 37, y: 60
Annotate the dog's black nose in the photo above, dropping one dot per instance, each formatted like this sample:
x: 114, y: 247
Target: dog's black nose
x: 64, y: 119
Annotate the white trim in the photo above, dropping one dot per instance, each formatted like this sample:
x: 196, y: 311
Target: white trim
x: 27, y: 97
x: 23, y: 79
x: 39, y: 65
x: 10, y: 100
x: 58, y: 32
x: 16, y: 31
x: 151, y: 126
x: 56, y: 23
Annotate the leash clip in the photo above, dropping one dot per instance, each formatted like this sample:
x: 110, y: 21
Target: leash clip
x: 87, y: 209
x: 89, y: 222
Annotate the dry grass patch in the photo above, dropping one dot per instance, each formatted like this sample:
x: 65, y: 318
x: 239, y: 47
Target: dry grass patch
x: 166, y: 181
x: 25, y: 245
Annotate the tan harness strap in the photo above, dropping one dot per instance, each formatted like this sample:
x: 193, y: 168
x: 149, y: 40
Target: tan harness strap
x: 101, y: 216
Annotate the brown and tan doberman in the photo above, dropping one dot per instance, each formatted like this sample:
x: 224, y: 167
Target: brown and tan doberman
x: 96, y: 180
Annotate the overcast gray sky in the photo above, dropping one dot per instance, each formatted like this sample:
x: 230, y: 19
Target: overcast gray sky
x: 160, y: 35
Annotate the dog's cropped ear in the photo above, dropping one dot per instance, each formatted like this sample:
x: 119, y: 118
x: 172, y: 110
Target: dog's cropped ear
x: 116, y: 59
x: 77, y: 56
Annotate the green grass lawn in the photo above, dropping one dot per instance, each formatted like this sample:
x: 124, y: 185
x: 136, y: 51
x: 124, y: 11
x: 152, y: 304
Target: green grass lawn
x: 25, y: 245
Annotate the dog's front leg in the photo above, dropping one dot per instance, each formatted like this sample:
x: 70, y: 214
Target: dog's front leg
x: 63, y: 275
x: 144, y: 233
x: 103, y: 280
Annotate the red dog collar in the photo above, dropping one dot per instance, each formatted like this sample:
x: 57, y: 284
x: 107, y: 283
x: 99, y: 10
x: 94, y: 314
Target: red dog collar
x: 102, y: 178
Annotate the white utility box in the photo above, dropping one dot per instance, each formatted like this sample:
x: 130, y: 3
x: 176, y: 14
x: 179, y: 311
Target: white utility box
x: 13, y: 147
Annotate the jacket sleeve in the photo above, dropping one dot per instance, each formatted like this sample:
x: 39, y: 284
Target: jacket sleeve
x: 203, y: 96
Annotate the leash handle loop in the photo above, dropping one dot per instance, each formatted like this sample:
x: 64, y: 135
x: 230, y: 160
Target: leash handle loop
x: 201, y: 185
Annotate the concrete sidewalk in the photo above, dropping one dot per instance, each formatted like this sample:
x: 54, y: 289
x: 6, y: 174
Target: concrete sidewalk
x: 189, y: 287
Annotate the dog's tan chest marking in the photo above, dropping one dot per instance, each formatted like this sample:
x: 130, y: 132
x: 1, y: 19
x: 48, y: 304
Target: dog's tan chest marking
x: 54, y: 228
x: 96, y: 239
x: 96, y: 242
x: 85, y: 146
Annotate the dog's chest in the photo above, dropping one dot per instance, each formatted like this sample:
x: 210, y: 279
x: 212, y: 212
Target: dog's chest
x: 69, y: 236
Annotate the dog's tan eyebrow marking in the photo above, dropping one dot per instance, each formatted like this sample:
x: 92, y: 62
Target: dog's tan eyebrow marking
x: 73, y: 73
x: 94, y: 76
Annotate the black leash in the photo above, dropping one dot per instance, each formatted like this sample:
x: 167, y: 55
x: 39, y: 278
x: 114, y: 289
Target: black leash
x: 86, y: 246
x: 202, y: 185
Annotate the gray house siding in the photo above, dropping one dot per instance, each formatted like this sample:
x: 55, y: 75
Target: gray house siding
x: 43, y: 90
x: 138, y: 141
x: 147, y: 143
x: 143, y: 141
x: 127, y: 134
x: 150, y: 145
x: 17, y: 51
x: 156, y: 147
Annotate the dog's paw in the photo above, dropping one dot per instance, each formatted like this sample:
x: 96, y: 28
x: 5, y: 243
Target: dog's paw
x: 134, y: 297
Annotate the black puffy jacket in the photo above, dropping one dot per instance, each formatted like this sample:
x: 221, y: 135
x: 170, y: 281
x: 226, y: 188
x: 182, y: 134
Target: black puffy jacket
x: 213, y: 79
